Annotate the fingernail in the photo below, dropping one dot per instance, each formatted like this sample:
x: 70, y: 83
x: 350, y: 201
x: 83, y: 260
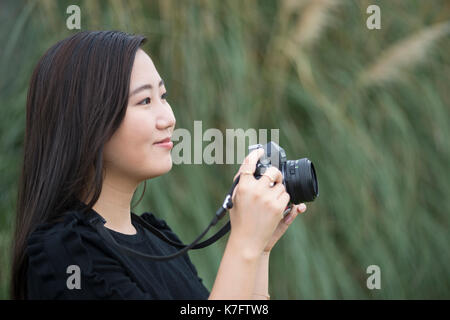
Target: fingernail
x: 301, y: 208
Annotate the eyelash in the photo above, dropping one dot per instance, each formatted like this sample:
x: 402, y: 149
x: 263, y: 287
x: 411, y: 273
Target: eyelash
x: 164, y: 96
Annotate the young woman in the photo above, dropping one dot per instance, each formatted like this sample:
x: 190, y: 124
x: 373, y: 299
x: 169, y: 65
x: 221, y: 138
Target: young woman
x: 97, y: 125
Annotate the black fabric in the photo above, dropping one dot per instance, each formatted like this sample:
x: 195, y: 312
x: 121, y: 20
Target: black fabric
x: 106, y: 272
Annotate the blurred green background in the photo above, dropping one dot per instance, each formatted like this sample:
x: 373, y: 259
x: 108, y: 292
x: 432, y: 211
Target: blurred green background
x: 370, y: 108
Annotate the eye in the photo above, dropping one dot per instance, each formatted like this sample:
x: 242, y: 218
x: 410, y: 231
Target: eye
x: 146, y: 101
x: 164, y: 96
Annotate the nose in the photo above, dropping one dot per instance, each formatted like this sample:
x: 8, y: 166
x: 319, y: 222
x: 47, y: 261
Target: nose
x: 166, y: 119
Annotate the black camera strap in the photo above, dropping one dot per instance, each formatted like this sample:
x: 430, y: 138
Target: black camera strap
x: 98, y: 223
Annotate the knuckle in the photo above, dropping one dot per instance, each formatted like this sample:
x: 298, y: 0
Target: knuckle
x: 274, y: 170
x: 256, y: 195
x: 278, y: 173
x: 270, y: 169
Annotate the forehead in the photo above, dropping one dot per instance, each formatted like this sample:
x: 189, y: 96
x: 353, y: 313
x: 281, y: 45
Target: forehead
x: 144, y: 71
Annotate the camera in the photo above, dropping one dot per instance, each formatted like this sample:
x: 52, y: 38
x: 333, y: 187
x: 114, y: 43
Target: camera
x: 299, y: 176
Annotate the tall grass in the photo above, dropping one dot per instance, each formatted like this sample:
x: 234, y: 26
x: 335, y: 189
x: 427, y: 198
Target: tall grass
x: 369, y: 107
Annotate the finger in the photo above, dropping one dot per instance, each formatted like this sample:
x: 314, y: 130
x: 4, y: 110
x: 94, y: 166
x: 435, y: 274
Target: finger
x: 234, y: 193
x: 284, y: 199
x: 288, y: 210
x: 249, y: 163
x: 290, y: 217
x: 239, y: 170
x: 301, y: 208
x: 278, y: 190
x: 275, y: 174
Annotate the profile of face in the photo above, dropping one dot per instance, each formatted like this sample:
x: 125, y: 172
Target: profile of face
x: 133, y: 152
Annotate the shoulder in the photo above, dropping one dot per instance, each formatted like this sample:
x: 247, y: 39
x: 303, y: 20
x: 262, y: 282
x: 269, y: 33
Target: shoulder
x: 160, y: 224
x: 54, y: 234
x: 149, y: 217
x: 54, y: 250
x: 61, y: 235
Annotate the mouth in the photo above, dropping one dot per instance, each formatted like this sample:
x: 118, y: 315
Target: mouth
x: 166, y: 143
x: 164, y: 140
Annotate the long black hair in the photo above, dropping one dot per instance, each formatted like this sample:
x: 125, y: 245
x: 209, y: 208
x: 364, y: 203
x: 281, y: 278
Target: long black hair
x: 76, y: 100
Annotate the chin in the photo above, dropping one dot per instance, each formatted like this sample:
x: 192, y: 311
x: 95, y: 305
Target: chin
x: 168, y: 167
x: 160, y: 169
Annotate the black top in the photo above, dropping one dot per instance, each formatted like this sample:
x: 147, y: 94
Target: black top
x: 105, y: 271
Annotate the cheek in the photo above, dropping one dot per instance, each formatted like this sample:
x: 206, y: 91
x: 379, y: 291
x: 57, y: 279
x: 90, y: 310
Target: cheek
x: 130, y: 145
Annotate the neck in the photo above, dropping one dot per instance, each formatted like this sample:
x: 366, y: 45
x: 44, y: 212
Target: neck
x: 114, y: 203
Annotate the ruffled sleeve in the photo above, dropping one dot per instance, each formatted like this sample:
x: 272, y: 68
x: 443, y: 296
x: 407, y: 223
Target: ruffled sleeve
x: 53, y: 249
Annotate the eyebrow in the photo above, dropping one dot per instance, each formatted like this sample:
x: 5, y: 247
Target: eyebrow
x: 145, y: 86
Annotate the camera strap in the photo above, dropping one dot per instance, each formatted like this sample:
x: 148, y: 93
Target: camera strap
x: 98, y: 223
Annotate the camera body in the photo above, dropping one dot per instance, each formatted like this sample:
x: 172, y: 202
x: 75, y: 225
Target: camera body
x: 299, y: 176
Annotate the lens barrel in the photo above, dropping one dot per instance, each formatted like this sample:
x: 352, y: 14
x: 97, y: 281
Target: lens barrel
x: 301, y: 181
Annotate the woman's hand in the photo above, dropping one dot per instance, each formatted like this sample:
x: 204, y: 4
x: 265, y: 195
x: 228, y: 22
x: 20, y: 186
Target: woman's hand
x: 284, y: 225
x: 257, y: 207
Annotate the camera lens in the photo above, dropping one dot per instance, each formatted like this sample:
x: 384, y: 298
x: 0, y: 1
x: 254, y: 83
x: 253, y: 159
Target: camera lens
x: 301, y: 181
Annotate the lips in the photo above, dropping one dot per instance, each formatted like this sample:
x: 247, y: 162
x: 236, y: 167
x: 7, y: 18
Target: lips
x: 163, y: 141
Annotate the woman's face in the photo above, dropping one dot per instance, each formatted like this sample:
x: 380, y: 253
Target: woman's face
x: 132, y: 151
